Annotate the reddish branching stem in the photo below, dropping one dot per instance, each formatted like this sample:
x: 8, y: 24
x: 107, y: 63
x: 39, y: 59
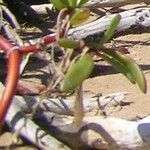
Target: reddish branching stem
x: 14, y: 55
x: 36, y: 47
x: 11, y: 82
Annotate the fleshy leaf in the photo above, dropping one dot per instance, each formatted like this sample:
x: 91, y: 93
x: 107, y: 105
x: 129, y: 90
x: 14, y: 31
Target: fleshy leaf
x: 76, y: 3
x: 111, y: 29
x: 73, y: 3
x: 79, y: 16
x: 82, y: 2
x: 60, y: 4
x: 67, y: 43
x: 77, y: 73
x: 127, y: 66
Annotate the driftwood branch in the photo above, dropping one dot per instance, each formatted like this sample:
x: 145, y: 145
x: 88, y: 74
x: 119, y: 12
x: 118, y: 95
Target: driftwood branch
x: 131, y: 18
x: 42, y: 8
x: 113, y: 3
x: 95, y: 132
x: 19, y: 122
x: 66, y: 106
x: 102, y: 133
x: 139, y: 17
x: 9, y: 15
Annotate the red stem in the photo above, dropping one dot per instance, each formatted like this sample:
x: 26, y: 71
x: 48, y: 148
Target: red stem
x: 11, y: 83
x: 14, y: 58
x: 5, y: 45
x: 34, y: 48
x: 29, y: 49
x: 49, y: 39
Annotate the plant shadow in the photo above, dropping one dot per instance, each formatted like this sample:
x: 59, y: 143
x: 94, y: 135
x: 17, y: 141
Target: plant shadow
x: 108, y: 70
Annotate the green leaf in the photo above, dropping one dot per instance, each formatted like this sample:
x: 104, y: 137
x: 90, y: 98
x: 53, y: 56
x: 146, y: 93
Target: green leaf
x: 118, y: 66
x: 67, y: 43
x: 127, y: 66
x: 77, y: 73
x: 136, y: 72
x: 60, y: 4
x: 76, y: 3
x: 111, y: 29
x: 79, y: 16
x: 82, y: 2
x: 72, y: 3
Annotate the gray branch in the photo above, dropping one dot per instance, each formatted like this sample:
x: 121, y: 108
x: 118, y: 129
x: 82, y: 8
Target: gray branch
x: 135, y: 17
x: 95, y: 132
x: 113, y: 3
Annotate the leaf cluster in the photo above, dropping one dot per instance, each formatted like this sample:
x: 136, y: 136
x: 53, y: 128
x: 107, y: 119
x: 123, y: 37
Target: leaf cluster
x: 82, y: 65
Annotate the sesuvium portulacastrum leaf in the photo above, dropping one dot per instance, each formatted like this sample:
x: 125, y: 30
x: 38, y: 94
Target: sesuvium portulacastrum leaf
x: 79, y: 16
x: 77, y: 73
x: 60, y: 4
x: 67, y: 43
x: 82, y: 2
x: 76, y: 3
x: 111, y: 29
x: 126, y: 66
x: 73, y: 3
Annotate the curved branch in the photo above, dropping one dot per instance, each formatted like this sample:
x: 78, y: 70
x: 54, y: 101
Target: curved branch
x: 11, y: 83
x: 14, y: 58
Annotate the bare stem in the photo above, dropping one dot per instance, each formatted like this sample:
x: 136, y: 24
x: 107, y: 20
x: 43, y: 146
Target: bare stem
x: 78, y: 108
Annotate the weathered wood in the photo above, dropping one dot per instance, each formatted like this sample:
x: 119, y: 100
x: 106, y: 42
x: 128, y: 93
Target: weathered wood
x: 113, y: 3
x: 19, y: 122
x: 25, y: 127
x: 96, y: 132
x: 10, y: 15
x: 66, y: 106
x: 135, y: 17
x: 103, y: 133
x: 42, y: 9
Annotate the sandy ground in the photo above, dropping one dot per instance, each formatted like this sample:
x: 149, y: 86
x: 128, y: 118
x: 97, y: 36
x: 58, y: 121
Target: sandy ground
x: 116, y: 82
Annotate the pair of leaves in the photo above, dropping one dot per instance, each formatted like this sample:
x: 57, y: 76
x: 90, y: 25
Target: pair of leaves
x: 78, y: 15
x: 126, y: 66
x: 120, y: 62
